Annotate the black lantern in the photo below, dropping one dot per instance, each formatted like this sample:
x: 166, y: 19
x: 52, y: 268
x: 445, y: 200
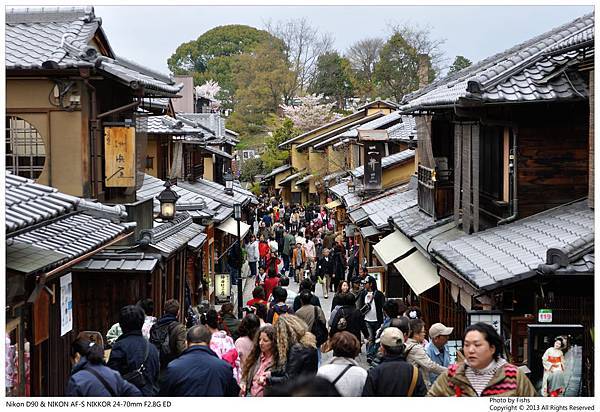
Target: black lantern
x: 167, y: 199
x: 228, y: 183
x: 351, y: 186
x: 412, y: 145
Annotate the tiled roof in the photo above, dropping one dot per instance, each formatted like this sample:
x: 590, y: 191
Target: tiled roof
x: 582, y: 38
x: 403, y: 130
x: 379, y: 208
x: 118, y: 262
x: 61, y: 38
x: 169, y: 125
x: 388, y: 161
x: 211, y: 122
x: 276, y: 171
x: 195, y: 204
x: 170, y: 236
x: 332, y: 135
x: 522, y: 73
x: 26, y: 258
x: 356, y: 115
x: 294, y: 176
x: 369, y: 231
x: 512, y: 252
x: 73, y: 235
x: 28, y: 203
x: 412, y: 222
x: 352, y: 133
x: 216, y: 192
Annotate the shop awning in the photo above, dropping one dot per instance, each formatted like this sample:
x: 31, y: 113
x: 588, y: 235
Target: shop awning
x: 334, y: 204
x: 418, y: 271
x: 415, y: 268
x: 369, y: 231
x: 230, y: 226
x: 392, y: 247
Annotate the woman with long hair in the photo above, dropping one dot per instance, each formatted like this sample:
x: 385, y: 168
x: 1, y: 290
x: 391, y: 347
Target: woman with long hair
x: 90, y: 375
x: 247, y: 331
x: 257, y: 365
x: 296, y: 349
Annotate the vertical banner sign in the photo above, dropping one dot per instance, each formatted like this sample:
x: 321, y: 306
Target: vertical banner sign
x: 119, y: 156
x: 373, y: 152
x: 222, y: 288
x: 66, y: 304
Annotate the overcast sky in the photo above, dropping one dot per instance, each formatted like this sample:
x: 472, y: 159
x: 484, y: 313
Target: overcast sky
x: 150, y: 34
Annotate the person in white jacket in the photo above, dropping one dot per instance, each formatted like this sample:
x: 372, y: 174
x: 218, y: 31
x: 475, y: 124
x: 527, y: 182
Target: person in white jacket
x: 415, y: 353
x: 342, y: 370
x: 253, y: 256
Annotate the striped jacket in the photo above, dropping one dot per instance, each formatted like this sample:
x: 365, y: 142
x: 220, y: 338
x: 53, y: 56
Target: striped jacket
x: 507, y: 381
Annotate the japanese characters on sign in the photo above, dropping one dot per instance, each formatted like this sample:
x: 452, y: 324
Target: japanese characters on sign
x: 119, y: 156
x: 373, y: 152
x: 222, y: 288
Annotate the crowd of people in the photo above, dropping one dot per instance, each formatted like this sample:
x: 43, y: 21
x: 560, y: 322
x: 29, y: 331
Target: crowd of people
x: 286, y: 344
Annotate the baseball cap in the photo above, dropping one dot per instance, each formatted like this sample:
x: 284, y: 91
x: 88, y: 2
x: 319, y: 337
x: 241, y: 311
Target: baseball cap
x: 438, y: 329
x: 392, y: 337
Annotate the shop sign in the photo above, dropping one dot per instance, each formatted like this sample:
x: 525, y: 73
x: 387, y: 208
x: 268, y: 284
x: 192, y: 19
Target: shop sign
x: 545, y: 316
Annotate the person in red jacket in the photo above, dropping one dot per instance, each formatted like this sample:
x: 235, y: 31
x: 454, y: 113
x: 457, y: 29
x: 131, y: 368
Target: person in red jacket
x: 270, y: 283
x: 263, y: 251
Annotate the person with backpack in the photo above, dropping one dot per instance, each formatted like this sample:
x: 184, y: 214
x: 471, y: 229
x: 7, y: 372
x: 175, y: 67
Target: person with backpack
x: 198, y: 371
x: 279, y: 306
x: 313, y: 316
x: 91, y: 377
x: 136, y: 359
x: 347, y: 318
x: 394, y: 376
x: 343, y: 370
x: 168, y: 334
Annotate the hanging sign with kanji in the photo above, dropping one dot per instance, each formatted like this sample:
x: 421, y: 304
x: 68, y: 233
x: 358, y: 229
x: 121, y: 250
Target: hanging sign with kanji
x: 119, y: 156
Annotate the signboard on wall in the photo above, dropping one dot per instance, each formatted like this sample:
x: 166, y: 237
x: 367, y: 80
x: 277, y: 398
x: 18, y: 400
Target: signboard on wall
x: 222, y: 288
x: 373, y: 152
x: 66, y: 304
x: 119, y: 156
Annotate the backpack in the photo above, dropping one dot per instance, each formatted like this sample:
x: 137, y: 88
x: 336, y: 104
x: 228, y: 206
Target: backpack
x: 319, y: 329
x: 342, y: 322
x: 160, y: 336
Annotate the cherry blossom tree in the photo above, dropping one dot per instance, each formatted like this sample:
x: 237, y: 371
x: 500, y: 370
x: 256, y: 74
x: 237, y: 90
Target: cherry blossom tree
x: 311, y: 113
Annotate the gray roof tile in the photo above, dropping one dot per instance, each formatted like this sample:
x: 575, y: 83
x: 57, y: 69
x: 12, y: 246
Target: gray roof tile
x: 60, y: 37
x: 516, y: 74
x: 507, y: 253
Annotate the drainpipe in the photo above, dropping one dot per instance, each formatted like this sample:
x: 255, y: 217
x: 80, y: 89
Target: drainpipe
x: 515, y: 202
x: 94, y: 138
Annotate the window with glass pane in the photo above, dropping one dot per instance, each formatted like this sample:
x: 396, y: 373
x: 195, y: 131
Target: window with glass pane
x: 25, y: 150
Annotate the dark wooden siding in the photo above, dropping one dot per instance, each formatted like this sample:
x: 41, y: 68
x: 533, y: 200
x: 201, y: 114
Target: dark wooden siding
x: 552, y: 163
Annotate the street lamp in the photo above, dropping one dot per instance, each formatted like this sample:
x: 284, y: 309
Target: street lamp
x: 228, y: 183
x: 351, y: 186
x: 167, y: 199
x: 237, y: 215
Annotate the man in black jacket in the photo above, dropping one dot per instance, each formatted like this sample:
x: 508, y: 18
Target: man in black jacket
x: 131, y: 350
x: 168, y: 334
x: 199, y: 371
x: 325, y: 269
x: 394, y: 376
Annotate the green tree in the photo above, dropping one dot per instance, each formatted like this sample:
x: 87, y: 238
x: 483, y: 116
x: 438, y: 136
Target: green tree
x: 212, y: 55
x: 251, y: 168
x: 396, y: 73
x: 260, y: 80
x: 333, y: 78
x: 460, y: 62
x: 273, y: 156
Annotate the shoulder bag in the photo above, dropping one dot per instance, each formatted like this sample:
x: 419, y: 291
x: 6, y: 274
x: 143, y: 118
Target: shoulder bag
x: 136, y: 377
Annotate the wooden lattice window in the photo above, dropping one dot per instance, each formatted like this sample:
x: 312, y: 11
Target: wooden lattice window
x: 25, y: 149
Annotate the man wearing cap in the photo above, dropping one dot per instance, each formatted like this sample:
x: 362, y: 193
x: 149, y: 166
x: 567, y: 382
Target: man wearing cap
x: 437, y: 348
x: 394, y: 376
